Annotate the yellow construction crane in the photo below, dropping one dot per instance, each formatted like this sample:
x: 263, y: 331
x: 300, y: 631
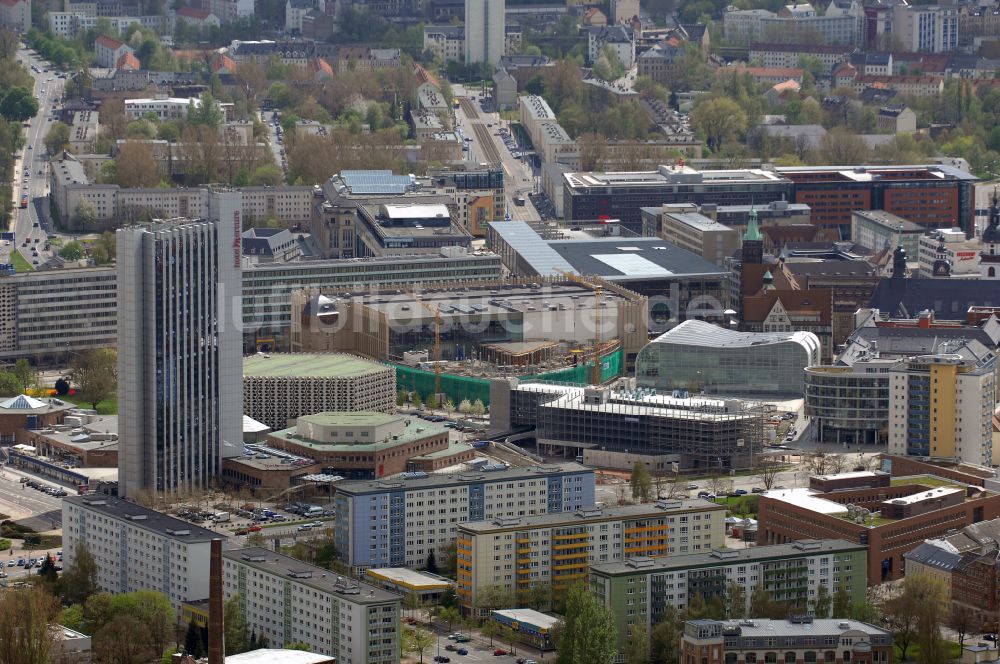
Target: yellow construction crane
x: 437, y: 338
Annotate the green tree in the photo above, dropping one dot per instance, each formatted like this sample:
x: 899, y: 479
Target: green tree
x: 57, y: 138
x: 267, y: 175
x: 664, y: 640
x: 589, y: 634
x: 736, y: 601
x: 450, y: 616
x: 841, y: 603
x: 104, y: 249
x: 79, y: 577
x: 822, y: 603
x: 417, y: 641
x: 18, y: 104
x: 71, y: 251
x: 85, y: 213
x: 95, y: 373
x: 25, y: 615
x: 192, y: 641
x: 637, y: 646
x: 491, y: 630
x: 297, y: 645
x: 719, y: 119
x: 432, y: 566
x: 236, y: 637
x: 401, y: 397
x: 206, y: 112
x: 416, y: 400
x: 25, y: 374
x: 642, y: 483
x: 432, y: 402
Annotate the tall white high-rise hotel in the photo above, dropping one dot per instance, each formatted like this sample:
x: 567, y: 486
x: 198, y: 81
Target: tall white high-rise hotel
x: 179, y: 349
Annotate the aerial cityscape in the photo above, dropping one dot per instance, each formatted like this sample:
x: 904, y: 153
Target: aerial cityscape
x: 499, y: 331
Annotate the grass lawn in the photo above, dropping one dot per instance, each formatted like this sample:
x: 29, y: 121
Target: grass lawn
x: 46, y: 542
x: 107, y: 407
x: 913, y: 652
x: 21, y: 263
x: 926, y: 480
x: 732, y: 501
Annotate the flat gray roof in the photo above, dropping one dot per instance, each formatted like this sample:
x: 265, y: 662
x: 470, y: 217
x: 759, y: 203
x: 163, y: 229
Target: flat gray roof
x: 781, y: 628
x: 613, y: 258
x: 595, y: 515
x: 726, y: 557
x: 362, y: 487
x: 319, y: 578
x: 144, y: 517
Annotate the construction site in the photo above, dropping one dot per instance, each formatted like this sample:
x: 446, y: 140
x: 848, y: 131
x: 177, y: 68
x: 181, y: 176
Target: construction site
x: 613, y: 426
x: 453, y: 339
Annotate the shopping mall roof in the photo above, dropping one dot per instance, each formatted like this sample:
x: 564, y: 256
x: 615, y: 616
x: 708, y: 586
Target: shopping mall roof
x: 613, y: 258
x: 700, y: 333
x: 308, y: 365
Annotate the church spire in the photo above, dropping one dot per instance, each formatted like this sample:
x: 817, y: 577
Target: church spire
x: 753, y: 232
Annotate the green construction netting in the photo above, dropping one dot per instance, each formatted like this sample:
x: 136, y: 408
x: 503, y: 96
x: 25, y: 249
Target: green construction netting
x: 458, y: 388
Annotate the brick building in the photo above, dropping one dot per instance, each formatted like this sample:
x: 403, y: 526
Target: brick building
x: 24, y: 412
x: 890, y: 520
x: 930, y: 195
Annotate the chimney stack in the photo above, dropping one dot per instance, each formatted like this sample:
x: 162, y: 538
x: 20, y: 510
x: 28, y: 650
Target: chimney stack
x: 216, y: 627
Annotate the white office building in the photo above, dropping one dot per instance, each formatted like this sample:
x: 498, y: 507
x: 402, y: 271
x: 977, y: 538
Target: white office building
x: 136, y: 548
x: 397, y: 522
x: 286, y: 600
x: 485, y: 31
x: 180, y: 349
x: 925, y: 28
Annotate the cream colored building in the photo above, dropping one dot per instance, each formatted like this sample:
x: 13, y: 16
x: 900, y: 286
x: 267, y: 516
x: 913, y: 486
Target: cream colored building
x: 700, y: 235
x: 556, y: 550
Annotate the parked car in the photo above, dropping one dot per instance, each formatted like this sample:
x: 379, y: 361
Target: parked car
x: 741, y: 492
x: 758, y: 489
x: 442, y: 659
x: 499, y: 652
x: 451, y: 647
x: 691, y: 487
x: 462, y: 651
x: 462, y: 638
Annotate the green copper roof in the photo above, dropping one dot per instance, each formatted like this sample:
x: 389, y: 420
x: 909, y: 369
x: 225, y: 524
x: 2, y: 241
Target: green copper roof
x: 753, y: 233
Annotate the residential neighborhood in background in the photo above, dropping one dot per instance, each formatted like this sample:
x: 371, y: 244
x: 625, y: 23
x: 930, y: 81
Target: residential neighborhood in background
x: 628, y: 332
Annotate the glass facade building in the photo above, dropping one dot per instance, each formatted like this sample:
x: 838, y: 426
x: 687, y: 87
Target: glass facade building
x: 700, y: 357
x: 849, y: 404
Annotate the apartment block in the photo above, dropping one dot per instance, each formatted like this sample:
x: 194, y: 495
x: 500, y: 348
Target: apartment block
x: 76, y: 305
x: 925, y: 28
x: 446, y: 42
x: 15, y: 15
x: 114, y: 205
x: 556, y: 550
x: 289, y: 601
x: 137, y: 548
x: 942, y: 405
x: 398, y: 522
x: 639, y: 590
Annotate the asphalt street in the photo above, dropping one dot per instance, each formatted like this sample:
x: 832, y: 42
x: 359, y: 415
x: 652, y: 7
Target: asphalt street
x: 518, y: 178
x: 28, y: 224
